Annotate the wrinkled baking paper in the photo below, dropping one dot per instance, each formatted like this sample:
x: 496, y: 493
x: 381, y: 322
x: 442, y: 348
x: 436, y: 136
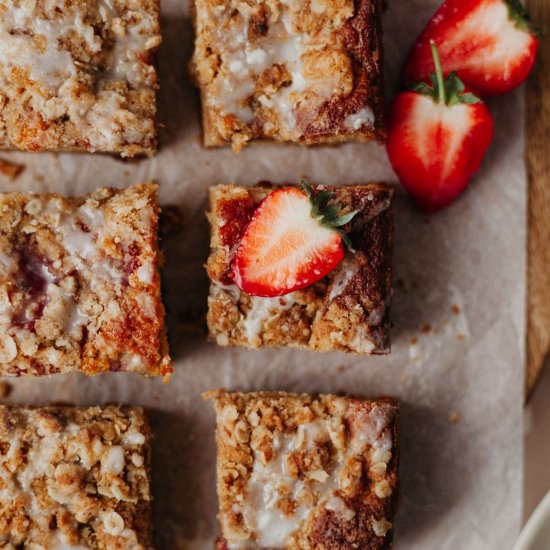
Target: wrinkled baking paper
x: 457, y: 360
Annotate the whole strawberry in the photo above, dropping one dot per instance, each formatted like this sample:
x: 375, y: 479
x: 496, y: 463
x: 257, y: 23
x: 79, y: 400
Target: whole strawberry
x: 491, y: 45
x: 438, y: 134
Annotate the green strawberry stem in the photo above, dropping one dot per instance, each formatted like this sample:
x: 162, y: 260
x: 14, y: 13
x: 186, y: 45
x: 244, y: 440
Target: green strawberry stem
x: 329, y: 215
x: 448, y: 91
x: 439, y: 73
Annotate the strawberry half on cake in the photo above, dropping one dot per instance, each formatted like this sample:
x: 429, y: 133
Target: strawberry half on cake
x: 301, y: 265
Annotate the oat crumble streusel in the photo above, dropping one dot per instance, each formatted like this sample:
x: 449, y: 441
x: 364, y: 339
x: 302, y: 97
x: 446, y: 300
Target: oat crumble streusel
x: 302, y: 472
x: 74, y: 477
x: 80, y: 283
x: 304, y: 71
x: 79, y: 75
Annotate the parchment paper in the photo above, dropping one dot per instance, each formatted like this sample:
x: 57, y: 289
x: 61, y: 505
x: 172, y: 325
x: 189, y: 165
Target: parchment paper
x: 457, y: 361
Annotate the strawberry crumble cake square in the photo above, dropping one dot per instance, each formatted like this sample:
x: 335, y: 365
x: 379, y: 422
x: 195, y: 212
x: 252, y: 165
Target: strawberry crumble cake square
x: 75, y: 478
x: 303, y: 71
x: 78, y: 75
x: 301, y: 472
x: 285, y: 272
x: 80, y: 283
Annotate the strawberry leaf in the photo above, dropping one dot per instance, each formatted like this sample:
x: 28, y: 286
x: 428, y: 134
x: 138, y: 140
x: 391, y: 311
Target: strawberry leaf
x: 308, y: 191
x: 421, y: 88
x: 453, y: 84
x: 344, y: 220
x: 469, y: 99
x: 322, y: 199
x: 328, y: 215
x: 521, y: 18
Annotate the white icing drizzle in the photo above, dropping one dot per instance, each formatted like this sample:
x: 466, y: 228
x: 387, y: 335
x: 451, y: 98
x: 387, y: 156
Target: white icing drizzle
x: 124, y: 63
x: 76, y: 319
x: 261, y: 514
x: 356, y: 121
x: 80, y: 234
x: 269, y: 481
x: 36, y: 42
x: 52, y: 66
x: 341, y: 279
x: 78, y: 242
x: 244, y: 62
x: 232, y: 290
x: 59, y: 542
x: 262, y: 311
x: 361, y: 343
x: 373, y: 432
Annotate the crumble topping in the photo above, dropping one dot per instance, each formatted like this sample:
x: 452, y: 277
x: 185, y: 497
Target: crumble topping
x: 295, y: 470
x: 78, y: 75
x: 74, y: 478
x: 79, y: 283
x: 288, y: 70
x: 348, y: 310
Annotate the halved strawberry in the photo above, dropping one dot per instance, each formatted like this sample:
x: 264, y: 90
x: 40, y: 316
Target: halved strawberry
x: 490, y: 44
x: 437, y: 137
x: 291, y: 242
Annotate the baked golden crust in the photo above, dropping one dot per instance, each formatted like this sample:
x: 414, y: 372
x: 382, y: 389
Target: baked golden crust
x: 75, y: 477
x: 78, y: 75
x: 348, y: 310
x: 80, y: 283
x: 302, y: 472
x: 305, y: 71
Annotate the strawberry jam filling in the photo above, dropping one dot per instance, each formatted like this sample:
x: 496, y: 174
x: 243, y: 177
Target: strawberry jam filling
x: 131, y: 262
x: 234, y: 215
x: 32, y: 278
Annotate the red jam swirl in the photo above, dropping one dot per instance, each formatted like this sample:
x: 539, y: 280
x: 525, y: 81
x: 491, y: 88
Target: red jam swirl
x: 234, y: 216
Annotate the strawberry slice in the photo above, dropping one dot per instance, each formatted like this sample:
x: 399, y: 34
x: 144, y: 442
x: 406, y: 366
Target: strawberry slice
x: 291, y: 242
x: 491, y: 44
x: 437, y: 137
